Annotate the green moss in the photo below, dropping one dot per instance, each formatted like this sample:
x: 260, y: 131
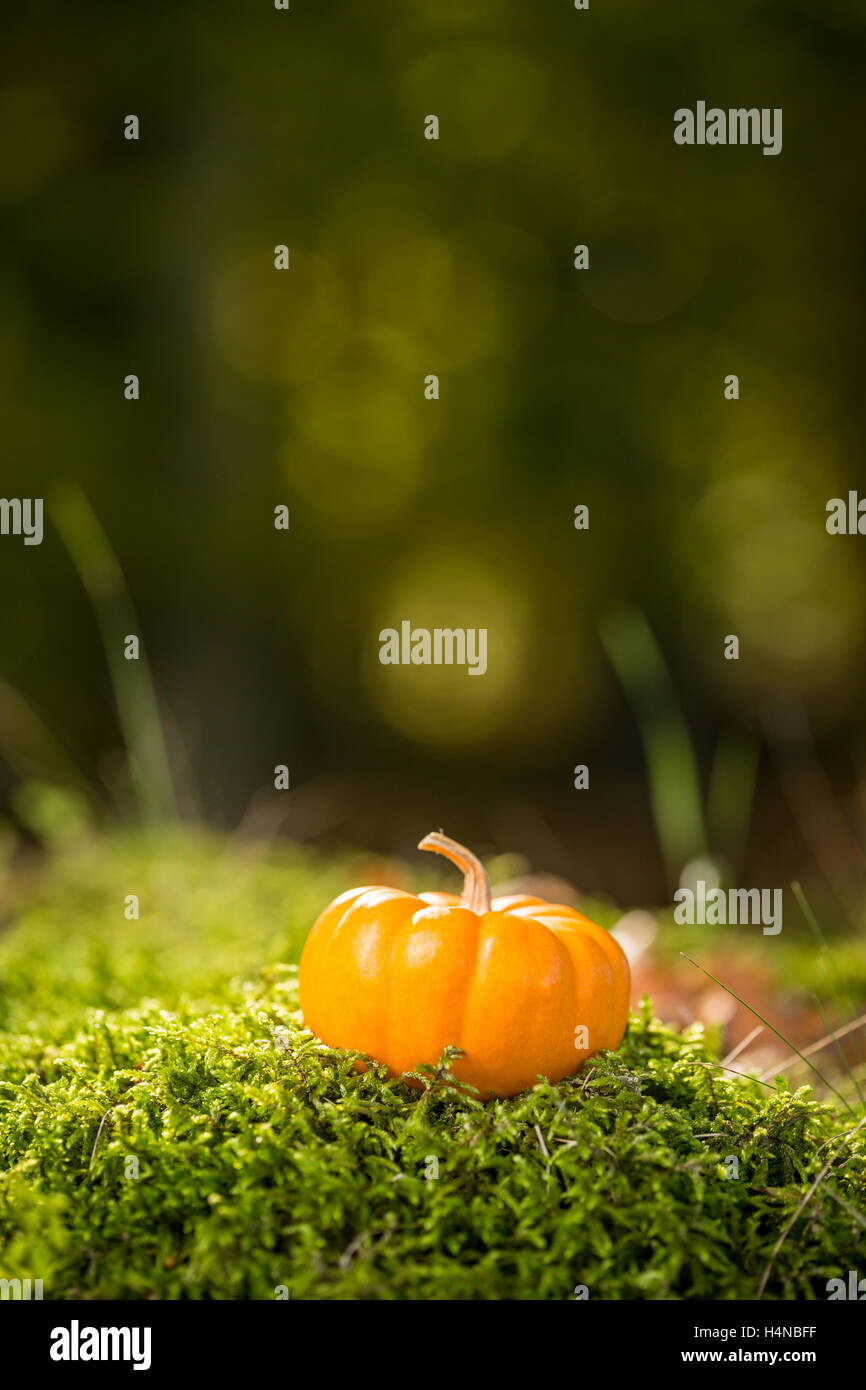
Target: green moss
x: 169, y: 1129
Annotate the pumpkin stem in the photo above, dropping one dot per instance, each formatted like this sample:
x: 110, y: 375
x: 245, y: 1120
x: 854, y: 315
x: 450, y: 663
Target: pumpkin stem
x: 476, y: 889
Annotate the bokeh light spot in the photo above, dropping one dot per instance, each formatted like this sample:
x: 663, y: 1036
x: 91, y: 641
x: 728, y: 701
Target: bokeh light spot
x: 486, y: 98
x: 279, y: 325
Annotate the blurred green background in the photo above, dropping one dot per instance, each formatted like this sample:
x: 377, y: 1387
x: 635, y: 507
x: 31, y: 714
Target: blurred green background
x: 558, y: 387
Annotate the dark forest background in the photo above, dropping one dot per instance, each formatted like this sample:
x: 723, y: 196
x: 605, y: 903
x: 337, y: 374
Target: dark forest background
x: 558, y: 387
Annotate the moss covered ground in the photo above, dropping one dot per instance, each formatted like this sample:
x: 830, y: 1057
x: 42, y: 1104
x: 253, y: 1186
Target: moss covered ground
x: 168, y: 1129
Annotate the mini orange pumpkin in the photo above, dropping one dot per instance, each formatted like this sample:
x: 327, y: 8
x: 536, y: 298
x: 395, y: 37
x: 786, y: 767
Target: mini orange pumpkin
x: 512, y: 982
